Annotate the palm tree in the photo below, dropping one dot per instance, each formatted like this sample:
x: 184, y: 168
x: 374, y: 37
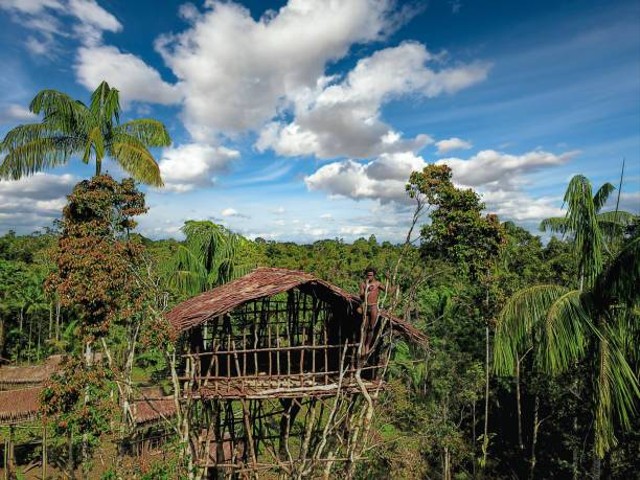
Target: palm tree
x: 565, y: 325
x: 70, y: 128
x: 206, y: 258
x: 610, y: 224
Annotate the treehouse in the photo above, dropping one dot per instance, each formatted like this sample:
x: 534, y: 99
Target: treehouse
x: 268, y: 356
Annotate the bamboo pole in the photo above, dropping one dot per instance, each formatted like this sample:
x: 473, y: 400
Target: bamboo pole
x: 44, y: 451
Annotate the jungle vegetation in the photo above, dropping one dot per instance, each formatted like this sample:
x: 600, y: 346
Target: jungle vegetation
x: 533, y: 361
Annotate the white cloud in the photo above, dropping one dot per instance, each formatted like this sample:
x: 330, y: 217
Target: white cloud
x: 31, y: 7
x: 194, y: 165
x: 90, y: 13
x: 381, y: 179
x: 232, y: 212
x: 31, y: 202
x: 343, y: 118
x: 236, y: 72
x: 16, y: 113
x: 88, y: 19
x: 490, y: 168
x: 519, y: 206
x: 136, y: 80
x: 500, y: 178
x: 453, y: 143
x: 355, y: 230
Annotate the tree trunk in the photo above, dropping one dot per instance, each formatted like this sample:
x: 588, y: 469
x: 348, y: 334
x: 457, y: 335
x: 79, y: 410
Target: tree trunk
x: 446, y: 468
x: 485, y: 438
x: 474, y: 435
x: 57, y: 319
x: 70, y: 460
x: 50, y: 320
x: 519, y: 405
x: 596, y: 467
x: 534, y: 437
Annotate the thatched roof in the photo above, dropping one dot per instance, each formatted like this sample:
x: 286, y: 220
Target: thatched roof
x: 19, y: 405
x: 30, y: 375
x: 265, y: 282
x: 153, y: 409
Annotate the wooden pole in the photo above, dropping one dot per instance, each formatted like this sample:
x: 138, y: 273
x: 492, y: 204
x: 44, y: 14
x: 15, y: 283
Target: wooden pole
x: 6, y: 459
x: 11, y: 460
x: 44, y: 451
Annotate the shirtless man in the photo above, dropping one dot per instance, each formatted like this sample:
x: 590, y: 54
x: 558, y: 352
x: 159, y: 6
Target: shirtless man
x: 369, y: 293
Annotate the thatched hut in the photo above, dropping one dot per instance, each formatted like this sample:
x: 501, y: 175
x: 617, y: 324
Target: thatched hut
x: 278, y: 342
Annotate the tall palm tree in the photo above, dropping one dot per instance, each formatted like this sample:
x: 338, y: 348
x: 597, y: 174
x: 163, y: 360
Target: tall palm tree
x: 610, y: 224
x: 206, y: 258
x: 565, y: 325
x: 70, y: 128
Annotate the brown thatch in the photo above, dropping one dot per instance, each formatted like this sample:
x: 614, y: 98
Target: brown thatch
x: 153, y: 409
x: 20, y: 377
x: 19, y: 405
x: 265, y: 282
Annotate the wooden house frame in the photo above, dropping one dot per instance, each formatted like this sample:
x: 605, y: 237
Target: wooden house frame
x: 275, y: 375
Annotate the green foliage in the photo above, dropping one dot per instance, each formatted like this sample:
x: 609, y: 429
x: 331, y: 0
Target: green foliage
x: 94, y: 256
x: 458, y: 231
x: 567, y: 326
x: 208, y: 257
x: 70, y: 128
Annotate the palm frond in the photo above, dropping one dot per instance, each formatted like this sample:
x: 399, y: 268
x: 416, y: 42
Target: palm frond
x: 616, y: 390
x: 620, y: 217
x: 188, y: 273
x: 105, y: 104
x: 95, y: 143
x: 523, y: 313
x: 24, y: 134
x: 583, y: 224
x: 136, y: 160
x: 149, y: 132
x: 554, y: 224
x: 619, y: 282
x: 55, y: 104
x: 602, y: 195
x: 563, y: 340
x: 36, y: 156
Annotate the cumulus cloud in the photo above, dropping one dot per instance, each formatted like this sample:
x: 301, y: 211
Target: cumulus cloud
x: 42, y: 17
x: 493, y: 169
x: 343, y: 117
x: 136, y: 80
x: 16, y: 113
x: 453, y: 143
x: 236, y: 72
x: 381, y: 179
x: 500, y: 178
x: 194, y: 165
x: 232, y: 212
x: 31, y: 202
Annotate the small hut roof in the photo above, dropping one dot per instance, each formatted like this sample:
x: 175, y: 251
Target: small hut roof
x: 154, y: 409
x: 265, y: 282
x: 29, y: 374
x: 19, y: 405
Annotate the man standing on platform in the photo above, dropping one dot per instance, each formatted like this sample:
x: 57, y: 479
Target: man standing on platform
x: 369, y: 293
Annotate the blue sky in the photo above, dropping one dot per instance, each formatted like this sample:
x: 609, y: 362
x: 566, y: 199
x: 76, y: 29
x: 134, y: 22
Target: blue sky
x: 302, y: 120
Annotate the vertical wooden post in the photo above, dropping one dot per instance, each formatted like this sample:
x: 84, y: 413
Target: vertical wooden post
x: 9, y: 466
x: 269, y: 346
x: 289, y: 343
x: 326, y: 354
x: 6, y: 459
x: 44, y: 451
x: 228, y: 361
